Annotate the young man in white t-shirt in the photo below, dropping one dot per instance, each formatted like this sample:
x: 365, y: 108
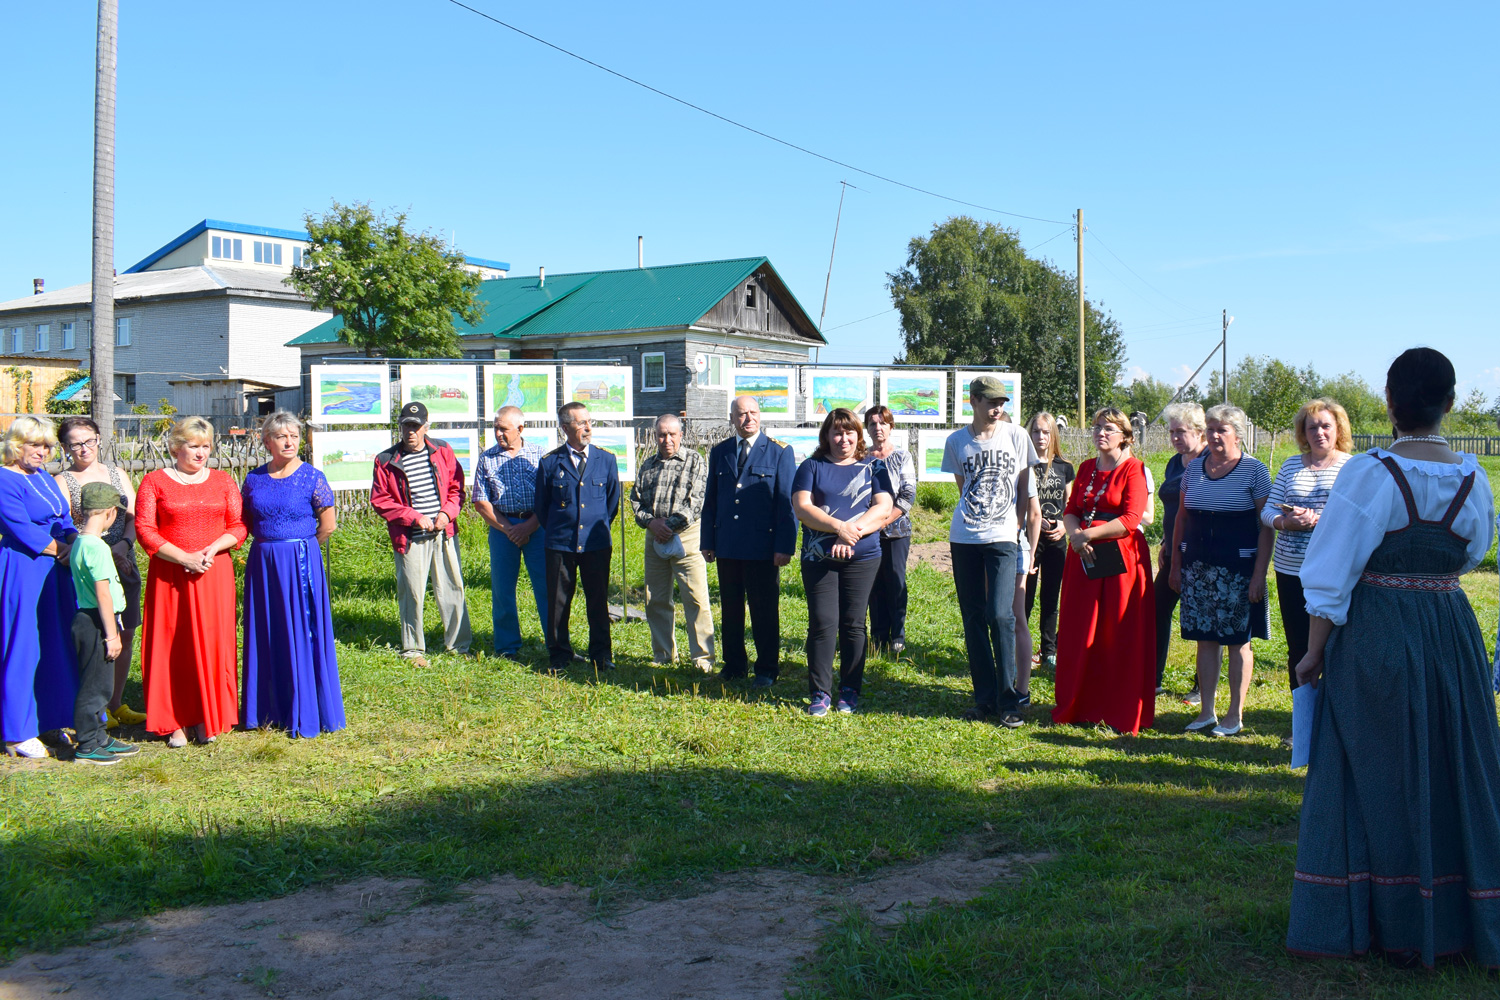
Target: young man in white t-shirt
x: 991, y: 462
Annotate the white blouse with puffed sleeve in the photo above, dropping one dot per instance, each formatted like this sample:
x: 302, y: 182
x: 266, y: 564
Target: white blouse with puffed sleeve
x: 1365, y: 503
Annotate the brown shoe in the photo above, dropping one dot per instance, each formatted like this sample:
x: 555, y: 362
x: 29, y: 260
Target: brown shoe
x: 416, y: 661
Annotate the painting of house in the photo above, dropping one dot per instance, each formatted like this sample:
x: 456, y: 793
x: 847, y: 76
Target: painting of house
x: 447, y: 391
x: 604, y: 389
x: 915, y: 397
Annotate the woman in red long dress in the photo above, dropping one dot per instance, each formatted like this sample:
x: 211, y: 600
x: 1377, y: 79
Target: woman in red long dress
x: 1106, y: 636
x: 185, y: 516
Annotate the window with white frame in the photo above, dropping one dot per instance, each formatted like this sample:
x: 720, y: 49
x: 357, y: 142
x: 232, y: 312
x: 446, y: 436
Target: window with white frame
x: 122, y: 331
x: 226, y: 248
x: 67, y: 336
x: 267, y: 253
x: 17, y: 340
x: 44, y: 336
x: 718, y: 373
x: 297, y: 256
x: 654, y: 372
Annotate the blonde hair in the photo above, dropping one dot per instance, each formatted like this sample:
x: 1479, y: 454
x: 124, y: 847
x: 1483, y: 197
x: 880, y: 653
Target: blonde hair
x: 1115, y: 415
x: 1343, y: 439
x: 189, y: 429
x: 24, y: 431
x: 1054, y: 446
x: 1189, y: 415
x: 1228, y: 413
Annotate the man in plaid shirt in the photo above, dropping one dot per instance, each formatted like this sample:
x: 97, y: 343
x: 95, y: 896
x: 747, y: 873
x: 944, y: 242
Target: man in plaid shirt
x: 504, y: 492
x: 667, y: 497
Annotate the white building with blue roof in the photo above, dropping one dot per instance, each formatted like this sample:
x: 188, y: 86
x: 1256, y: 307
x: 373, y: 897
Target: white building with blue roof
x: 203, y: 321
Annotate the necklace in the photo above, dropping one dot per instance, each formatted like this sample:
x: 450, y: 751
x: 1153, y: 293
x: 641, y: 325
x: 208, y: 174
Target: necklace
x: 1431, y: 438
x: 56, y: 510
x: 178, y: 475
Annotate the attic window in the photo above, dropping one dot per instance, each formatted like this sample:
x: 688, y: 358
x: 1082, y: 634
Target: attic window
x: 750, y: 296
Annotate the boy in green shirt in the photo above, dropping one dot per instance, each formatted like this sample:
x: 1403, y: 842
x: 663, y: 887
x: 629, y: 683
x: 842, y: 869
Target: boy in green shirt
x: 96, y: 626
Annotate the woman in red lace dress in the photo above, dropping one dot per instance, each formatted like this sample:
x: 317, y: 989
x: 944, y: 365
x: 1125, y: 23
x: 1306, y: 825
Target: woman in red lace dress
x: 185, y: 516
x: 1106, y: 639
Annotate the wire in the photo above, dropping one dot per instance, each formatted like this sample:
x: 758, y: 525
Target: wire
x: 1050, y: 239
x: 852, y: 322
x: 1132, y: 270
x: 747, y: 128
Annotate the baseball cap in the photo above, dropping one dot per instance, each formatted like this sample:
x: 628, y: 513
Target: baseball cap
x: 99, y: 496
x: 989, y: 387
x: 413, y: 413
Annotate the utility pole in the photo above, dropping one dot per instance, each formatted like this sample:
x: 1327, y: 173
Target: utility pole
x: 1083, y: 418
x: 1224, y: 356
x: 843, y: 189
x: 102, y: 314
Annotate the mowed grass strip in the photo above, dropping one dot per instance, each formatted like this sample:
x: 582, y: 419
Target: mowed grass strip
x: 1172, y: 855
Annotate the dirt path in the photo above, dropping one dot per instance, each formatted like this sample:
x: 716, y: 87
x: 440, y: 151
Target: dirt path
x: 934, y: 554
x: 504, y: 938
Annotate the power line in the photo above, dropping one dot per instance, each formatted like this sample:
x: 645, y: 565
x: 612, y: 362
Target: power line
x: 1132, y: 270
x: 742, y: 125
x: 1050, y: 239
x: 852, y: 322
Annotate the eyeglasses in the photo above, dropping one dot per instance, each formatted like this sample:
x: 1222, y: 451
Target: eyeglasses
x: 1107, y: 431
x: 86, y: 445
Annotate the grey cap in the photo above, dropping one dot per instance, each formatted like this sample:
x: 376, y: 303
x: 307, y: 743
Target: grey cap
x: 989, y: 387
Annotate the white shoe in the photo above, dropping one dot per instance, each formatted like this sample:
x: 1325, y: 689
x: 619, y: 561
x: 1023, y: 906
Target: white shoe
x: 29, y: 748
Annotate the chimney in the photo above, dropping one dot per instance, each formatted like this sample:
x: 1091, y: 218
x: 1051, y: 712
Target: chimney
x: 541, y: 277
x: 640, y: 251
x: 38, y: 285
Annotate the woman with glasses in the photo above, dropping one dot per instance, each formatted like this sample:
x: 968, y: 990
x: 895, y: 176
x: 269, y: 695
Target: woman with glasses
x: 1106, y: 644
x: 80, y: 440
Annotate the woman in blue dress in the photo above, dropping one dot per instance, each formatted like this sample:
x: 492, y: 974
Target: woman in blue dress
x: 291, y: 674
x: 37, y: 602
x: 1399, y: 844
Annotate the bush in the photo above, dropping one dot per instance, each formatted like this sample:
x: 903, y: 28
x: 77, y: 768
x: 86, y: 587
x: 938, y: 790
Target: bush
x: 940, y: 498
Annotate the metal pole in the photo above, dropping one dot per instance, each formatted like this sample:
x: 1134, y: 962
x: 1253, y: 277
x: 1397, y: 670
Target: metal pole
x: 843, y: 188
x: 1082, y: 406
x: 102, y: 312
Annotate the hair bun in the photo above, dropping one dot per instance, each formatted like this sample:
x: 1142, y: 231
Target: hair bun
x: 1420, y: 383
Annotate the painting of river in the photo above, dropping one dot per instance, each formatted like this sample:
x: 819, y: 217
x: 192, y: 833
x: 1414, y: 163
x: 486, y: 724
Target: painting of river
x: 916, y: 397
x: 533, y: 388
x: 834, y: 389
x: 350, y: 394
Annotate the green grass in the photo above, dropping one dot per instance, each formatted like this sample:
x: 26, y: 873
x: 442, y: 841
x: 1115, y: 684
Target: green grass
x: 1171, y: 856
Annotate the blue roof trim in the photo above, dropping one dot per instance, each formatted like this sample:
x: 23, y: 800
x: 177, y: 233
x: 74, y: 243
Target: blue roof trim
x: 482, y: 262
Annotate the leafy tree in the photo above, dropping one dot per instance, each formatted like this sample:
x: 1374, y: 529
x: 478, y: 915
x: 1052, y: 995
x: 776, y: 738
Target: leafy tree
x: 1472, y: 414
x: 1365, y: 406
x: 969, y: 295
x: 1147, y: 395
x: 396, y: 291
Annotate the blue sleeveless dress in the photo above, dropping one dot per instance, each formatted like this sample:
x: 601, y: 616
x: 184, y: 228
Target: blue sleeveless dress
x: 1399, y: 847
x: 291, y: 671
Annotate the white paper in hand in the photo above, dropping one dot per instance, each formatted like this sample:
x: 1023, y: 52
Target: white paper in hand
x: 1304, y: 708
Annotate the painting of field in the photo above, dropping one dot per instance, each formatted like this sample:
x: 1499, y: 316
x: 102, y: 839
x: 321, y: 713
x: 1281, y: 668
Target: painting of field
x: 830, y: 390
x: 604, y: 389
x: 350, y: 394
x: 619, y: 442
x: 930, y: 445
x: 544, y: 438
x: 465, y: 445
x: 531, y: 387
x: 963, y: 412
x: 916, y: 397
x: 773, y: 388
x: 448, y: 391
x: 802, y: 440
x: 347, y: 458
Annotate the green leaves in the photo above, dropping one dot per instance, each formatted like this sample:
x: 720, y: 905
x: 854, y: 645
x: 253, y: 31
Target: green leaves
x: 397, y: 292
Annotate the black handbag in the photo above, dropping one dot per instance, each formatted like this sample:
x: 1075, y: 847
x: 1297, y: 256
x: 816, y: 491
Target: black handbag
x: 1108, y: 559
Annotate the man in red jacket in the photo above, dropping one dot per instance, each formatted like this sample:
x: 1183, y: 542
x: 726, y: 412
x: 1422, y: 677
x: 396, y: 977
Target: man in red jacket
x: 419, y: 490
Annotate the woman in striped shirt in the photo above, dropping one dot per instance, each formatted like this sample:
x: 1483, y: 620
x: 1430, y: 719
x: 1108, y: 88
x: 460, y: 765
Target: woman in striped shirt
x: 1296, y: 502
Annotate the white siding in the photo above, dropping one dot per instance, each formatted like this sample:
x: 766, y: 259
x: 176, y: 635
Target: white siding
x: 257, y: 349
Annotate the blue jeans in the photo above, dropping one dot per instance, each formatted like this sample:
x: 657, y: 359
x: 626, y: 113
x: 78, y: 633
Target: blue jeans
x: 985, y: 577
x: 505, y: 573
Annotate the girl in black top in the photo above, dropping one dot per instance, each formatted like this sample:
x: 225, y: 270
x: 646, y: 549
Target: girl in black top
x: 1054, y: 481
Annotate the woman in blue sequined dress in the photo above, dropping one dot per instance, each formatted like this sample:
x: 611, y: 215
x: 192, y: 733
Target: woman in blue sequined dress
x: 291, y: 675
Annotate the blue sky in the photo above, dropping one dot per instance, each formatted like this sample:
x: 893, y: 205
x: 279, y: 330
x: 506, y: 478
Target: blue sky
x: 1325, y: 172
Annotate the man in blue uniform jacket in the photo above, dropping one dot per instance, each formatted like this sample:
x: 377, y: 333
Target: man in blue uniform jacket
x: 750, y: 531
x: 577, y: 496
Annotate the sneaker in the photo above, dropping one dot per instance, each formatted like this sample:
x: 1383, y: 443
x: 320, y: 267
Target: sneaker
x: 1192, y: 698
x: 764, y: 681
x: 1050, y: 661
x: 416, y: 661
x: 28, y: 748
x: 1012, y: 720
x: 976, y: 714
x: 848, y: 701
x: 127, y: 715
x: 119, y: 749
x: 1160, y: 690
x: 897, y: 648
x: 98, y: 755
x: 1023, y: 700
x: 818, y: 707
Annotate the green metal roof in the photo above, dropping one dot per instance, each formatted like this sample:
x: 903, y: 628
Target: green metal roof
x: 643, y: 298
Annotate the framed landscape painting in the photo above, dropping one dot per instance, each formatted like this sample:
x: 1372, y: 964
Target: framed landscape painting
x: 930, y: 445
x: 802, y: 440
x: 448, y: 391
x: 531, y: 387
x: 347, y: 458
x: 963, y: 412
x: 604, y: 389
x: 544, y: 438
x: 829, y: 389
x: 465, y: 445
x: 915, y: 397
x: 775, y: 389
x: 619, y: 442
x: 350, y: 394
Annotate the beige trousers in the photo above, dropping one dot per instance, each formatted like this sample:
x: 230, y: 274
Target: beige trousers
x: 438, y: 558
x: 691, y: 574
